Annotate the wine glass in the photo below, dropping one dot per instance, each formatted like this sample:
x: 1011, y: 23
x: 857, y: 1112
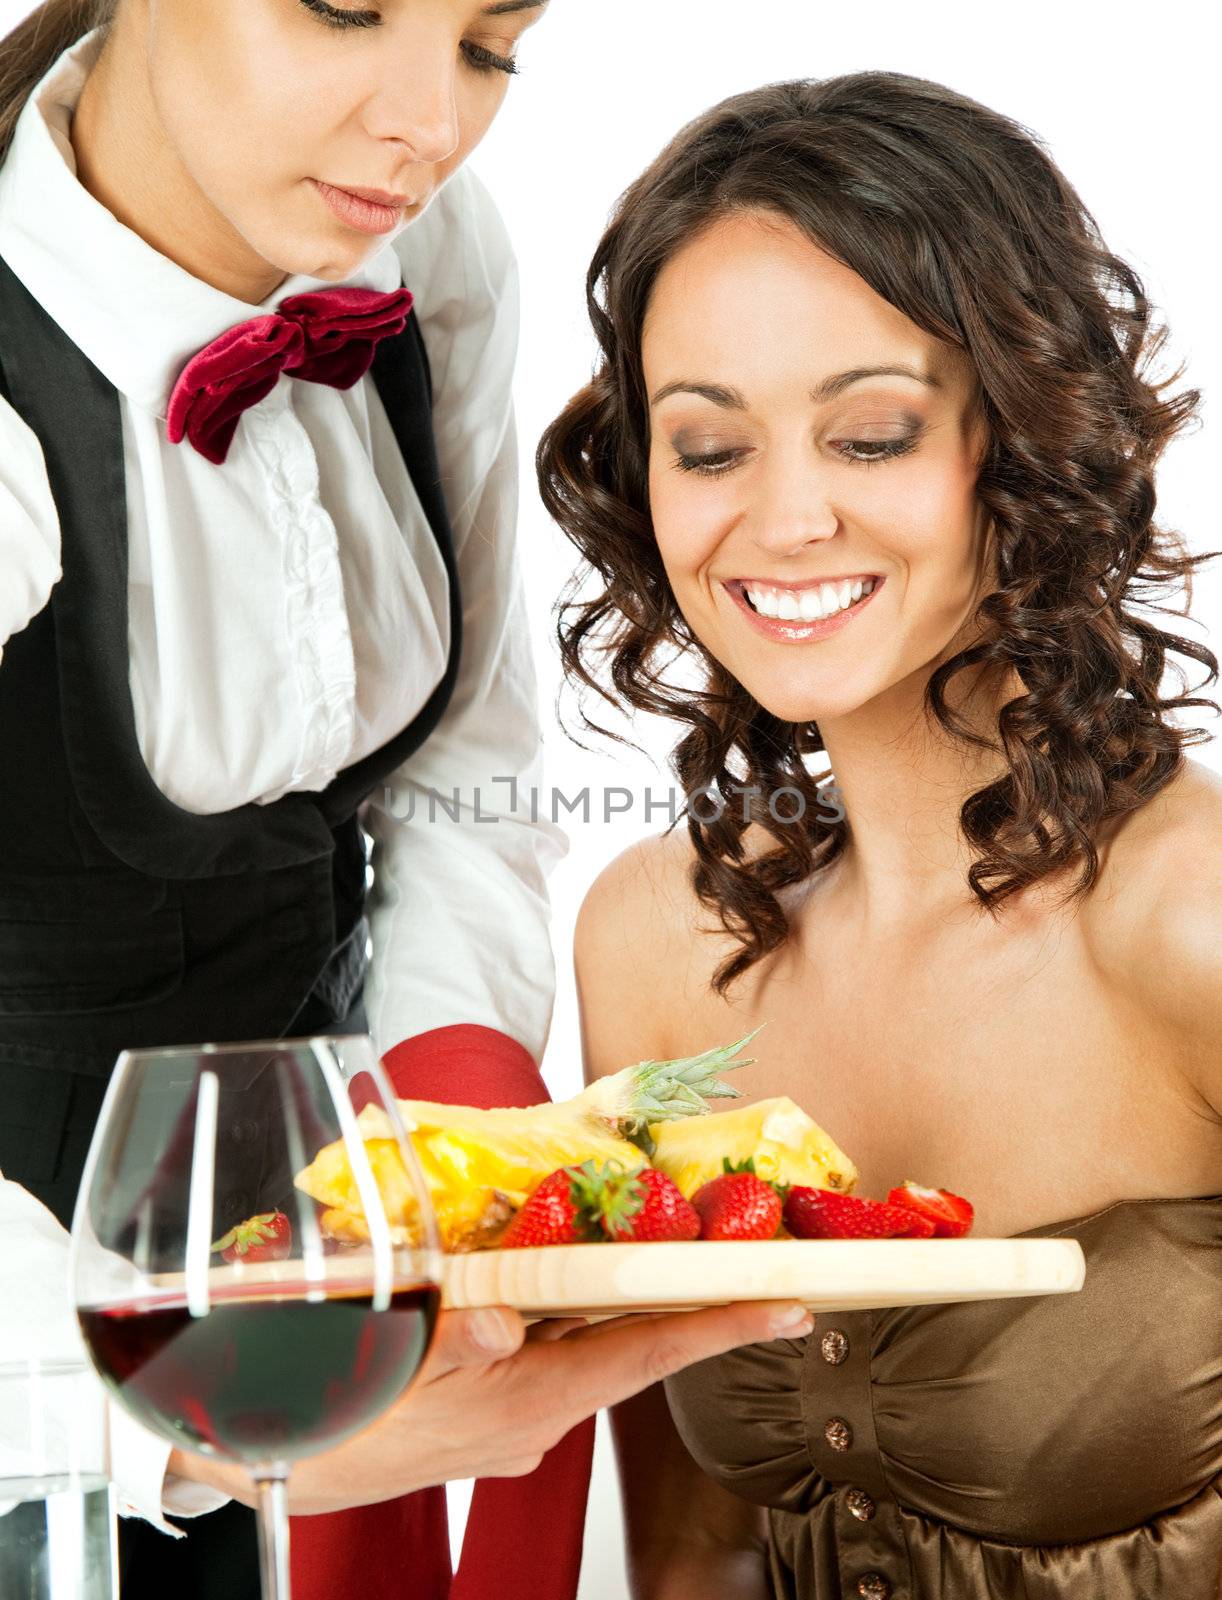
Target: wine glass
x: 227, y: 1309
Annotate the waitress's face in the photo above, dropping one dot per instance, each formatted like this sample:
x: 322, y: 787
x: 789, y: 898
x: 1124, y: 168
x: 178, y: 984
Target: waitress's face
x: 780, y: 463
x: 266, y: 101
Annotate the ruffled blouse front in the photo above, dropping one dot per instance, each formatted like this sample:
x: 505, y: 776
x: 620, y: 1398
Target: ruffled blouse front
x: 1046, y: 1447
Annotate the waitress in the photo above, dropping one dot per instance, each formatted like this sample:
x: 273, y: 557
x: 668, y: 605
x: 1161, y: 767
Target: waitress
x: 254, y: 321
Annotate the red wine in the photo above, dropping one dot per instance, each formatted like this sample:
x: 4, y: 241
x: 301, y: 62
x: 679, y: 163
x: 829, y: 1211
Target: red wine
x: 266, y: 1374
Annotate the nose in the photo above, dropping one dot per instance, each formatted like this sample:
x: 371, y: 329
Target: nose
x: 792, y: 508
x: 417, y: 104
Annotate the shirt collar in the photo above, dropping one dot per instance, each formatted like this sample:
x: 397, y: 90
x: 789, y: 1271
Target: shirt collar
x: 137, y: 315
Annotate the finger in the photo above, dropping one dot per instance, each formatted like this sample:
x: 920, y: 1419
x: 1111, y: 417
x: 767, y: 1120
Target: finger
x: 627, y: 1320
x: 473, y: 1339
x: 769, y: 1319
x: 554, y: 1328
x: 607, y: 1365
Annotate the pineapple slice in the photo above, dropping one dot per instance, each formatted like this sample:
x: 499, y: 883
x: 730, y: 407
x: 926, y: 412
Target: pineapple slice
x: 329, y: 1179
x: 480, y: 1166
x: 785, y: 1144
x: 474, y: 1161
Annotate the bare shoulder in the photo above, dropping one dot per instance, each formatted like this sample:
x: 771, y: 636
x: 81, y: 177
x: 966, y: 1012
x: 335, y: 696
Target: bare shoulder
x: 644, y: 949
x: 1162, y: 869
x: 1156, y: 924
x: 638, y: 916
x: 643, y: 903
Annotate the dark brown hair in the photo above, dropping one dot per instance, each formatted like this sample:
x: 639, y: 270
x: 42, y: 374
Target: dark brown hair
x: 958, y: 217
x: 34, y: 45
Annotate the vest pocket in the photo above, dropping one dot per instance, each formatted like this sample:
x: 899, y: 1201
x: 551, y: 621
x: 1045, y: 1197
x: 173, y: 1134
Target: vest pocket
x: 79, y: 943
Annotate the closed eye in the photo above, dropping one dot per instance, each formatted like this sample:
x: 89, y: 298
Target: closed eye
x: 868, y: 452
x: 477, y: 55
x: 711, y: 463
x: 862, y: 452
x: 338, y: 17
x: 485, y: 60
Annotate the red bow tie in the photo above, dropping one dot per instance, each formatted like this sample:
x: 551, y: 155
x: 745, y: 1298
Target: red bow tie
x: 326, y: 337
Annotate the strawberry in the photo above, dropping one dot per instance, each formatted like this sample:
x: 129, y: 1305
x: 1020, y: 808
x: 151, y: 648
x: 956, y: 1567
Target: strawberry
x: 267, y: 1237
x: 587, y: 1203
x: 826, y: 1214
x: 646, y: 1207
x: 562, y: 1210
x: 950, y: 1214
x: 738, y: 1205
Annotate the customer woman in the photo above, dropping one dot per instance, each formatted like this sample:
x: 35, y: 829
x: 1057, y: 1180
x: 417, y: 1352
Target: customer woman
x: 870, y: 450
x: 256, y: 593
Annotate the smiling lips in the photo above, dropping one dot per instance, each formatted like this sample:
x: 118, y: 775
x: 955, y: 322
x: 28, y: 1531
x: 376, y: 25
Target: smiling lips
x: 807, y: 603
x: 795, y: 613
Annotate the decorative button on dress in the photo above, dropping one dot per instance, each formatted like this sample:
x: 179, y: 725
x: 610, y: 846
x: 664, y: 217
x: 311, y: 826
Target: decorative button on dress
x: 1063, y: 1447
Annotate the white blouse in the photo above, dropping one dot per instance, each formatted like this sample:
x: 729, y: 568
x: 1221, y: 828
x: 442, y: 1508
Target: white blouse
x: 288, y: 609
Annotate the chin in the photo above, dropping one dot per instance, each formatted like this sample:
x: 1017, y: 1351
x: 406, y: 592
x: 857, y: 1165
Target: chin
x: 798, y: 703
x: 806, y: 710
x: 316, y: 254
x: 316, y: 251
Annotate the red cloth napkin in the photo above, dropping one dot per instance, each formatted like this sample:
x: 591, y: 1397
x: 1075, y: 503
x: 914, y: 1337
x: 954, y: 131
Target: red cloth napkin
x: 523, y: 1539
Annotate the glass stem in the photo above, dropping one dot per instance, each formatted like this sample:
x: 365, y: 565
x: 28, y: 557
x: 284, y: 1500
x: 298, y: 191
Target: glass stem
x: 272, y: 1483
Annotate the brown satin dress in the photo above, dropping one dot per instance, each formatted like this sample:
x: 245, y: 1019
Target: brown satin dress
x: 1063, y: 1447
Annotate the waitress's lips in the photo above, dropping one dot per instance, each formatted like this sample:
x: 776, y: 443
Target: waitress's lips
x: 359, y: 209
x: 379, y: 197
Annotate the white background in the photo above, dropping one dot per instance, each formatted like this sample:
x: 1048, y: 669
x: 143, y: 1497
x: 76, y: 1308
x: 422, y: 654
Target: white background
x: 1125, y: 99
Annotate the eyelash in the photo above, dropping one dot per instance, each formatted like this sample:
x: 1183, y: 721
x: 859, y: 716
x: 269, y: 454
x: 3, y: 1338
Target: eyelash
x: 477, y: 56
x: 488, y: 61
x: 716, y: 465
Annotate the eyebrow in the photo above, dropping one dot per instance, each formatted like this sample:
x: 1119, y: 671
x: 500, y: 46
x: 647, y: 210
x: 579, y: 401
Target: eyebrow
x: 503, y: 8
x: 732, y: 400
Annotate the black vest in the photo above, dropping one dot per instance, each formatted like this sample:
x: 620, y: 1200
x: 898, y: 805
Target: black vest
x: 124, y: 919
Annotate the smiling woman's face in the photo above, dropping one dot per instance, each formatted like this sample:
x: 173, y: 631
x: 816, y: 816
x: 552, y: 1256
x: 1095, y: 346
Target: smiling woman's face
x: 272, y: 105
x: 786, y: 478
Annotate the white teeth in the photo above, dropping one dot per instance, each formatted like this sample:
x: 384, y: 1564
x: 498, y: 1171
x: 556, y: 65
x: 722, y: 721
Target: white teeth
x: 809, y: 605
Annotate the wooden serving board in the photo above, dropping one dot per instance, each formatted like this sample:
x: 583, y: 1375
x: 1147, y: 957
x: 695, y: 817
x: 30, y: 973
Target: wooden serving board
x: 826, y: 1275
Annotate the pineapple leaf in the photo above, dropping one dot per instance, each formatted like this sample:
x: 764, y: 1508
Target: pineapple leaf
x: 663, y: 1091
x: 667, y: 1090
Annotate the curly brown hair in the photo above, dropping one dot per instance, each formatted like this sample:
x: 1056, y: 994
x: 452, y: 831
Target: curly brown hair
x: 957, y: 216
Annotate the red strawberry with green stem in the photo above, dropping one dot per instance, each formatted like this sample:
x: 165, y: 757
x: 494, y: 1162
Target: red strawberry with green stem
x: 588, y: 1203
x: 267, y: 1237
x: 646, y: 1207
x: 827, y: 1214
x: 738, y: 1205
x: 950, y: 1214
x: 562, y: 1210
